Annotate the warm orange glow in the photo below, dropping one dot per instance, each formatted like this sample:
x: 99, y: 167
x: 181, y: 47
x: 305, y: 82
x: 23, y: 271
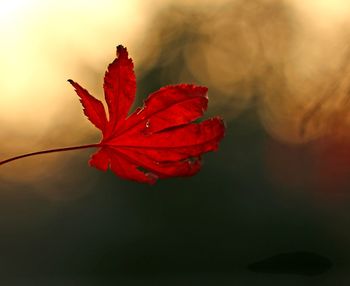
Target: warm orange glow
x: 43, y: 44
x: 288, y: 59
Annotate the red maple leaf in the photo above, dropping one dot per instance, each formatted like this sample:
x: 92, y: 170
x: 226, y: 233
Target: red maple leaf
x: 159, y: 139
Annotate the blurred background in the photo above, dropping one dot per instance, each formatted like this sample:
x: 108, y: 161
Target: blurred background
x: 277, y: 72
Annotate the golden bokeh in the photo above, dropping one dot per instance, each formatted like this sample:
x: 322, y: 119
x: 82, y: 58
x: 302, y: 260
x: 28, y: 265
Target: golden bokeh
x: 288, y: 59
x: 43, y: 44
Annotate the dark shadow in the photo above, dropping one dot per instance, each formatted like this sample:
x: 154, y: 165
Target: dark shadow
x: 298, y: 263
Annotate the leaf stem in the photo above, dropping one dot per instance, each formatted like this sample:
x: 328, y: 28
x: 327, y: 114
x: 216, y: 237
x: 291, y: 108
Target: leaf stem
x: 50, y: 151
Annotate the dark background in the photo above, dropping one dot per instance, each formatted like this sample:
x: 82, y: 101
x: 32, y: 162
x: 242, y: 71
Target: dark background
x: 278, y: 183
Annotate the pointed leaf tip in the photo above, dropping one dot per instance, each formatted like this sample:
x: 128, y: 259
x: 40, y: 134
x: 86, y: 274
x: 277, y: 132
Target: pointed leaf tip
x: 122, y: 52
x: 93, y: 108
